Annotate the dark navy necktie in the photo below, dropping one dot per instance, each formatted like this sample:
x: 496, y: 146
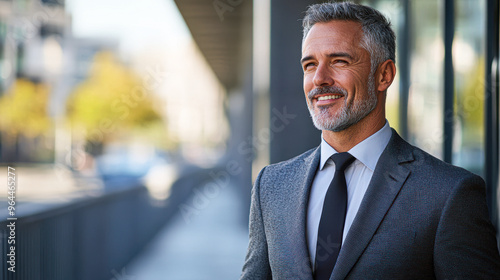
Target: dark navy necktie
x: 331, y: 225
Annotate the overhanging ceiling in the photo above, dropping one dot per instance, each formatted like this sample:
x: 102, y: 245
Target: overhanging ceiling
x: 217, y: 27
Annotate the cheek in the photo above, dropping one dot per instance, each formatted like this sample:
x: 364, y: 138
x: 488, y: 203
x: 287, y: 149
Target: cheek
x: 307, y: 84
x: 356, y: 85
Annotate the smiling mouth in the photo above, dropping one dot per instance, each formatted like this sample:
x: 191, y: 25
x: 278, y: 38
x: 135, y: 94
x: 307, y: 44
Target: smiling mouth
x: 329, y: 97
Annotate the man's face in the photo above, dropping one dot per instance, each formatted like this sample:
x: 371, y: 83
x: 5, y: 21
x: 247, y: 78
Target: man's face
x: 339, y: 88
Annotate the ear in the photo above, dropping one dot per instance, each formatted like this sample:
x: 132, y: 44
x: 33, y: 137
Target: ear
x: 385, y: 75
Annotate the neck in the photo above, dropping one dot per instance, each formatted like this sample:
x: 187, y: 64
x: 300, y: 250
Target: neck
x: 343, y: 141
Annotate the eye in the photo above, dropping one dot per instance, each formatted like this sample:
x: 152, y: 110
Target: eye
x: 308, y: 65
x: 340, y: 62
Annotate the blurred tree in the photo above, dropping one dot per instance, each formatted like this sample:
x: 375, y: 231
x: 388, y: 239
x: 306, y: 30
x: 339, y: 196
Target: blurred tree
x: 111, y: 101
x: 25, y: 123
x: 24, y: 109
x: 470, y: 102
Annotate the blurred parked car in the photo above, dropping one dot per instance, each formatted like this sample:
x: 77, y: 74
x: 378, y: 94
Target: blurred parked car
x: 123, y: 166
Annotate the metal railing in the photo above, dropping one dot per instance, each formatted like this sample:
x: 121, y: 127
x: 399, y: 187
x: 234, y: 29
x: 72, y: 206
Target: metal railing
x: 92, y: 238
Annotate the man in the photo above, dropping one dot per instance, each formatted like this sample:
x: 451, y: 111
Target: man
x: 406, y: 214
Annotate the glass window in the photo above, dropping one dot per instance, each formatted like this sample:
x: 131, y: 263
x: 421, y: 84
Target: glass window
x: 425, y: 103
x: 54, y: 2
x: 20, y: 60
x: 468, y: 63
x: 393, y: 10
x: 3, y: 36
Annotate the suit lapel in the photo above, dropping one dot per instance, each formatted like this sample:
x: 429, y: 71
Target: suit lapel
x: 305, y: 173
x: 388, y: 178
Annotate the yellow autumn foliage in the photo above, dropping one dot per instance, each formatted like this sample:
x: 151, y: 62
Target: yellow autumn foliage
x: 23, y: 109
x: 113, y: 98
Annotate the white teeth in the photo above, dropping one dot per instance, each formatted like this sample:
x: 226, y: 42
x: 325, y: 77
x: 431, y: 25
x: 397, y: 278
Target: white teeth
x: 329, y: 97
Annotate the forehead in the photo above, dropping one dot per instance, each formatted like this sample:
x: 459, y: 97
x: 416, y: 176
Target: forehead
x: 340, y: 35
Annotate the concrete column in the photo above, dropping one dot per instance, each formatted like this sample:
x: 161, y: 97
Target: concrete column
x: 291, y: 126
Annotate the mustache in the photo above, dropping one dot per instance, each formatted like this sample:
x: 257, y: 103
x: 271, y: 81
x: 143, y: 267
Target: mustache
x: 325, y: 90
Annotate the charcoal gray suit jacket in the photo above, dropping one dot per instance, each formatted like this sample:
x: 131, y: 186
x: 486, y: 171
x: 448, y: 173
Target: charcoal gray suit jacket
x: 419, y: 219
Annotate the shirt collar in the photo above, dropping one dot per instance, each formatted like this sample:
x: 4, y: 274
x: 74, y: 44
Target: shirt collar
x: 367, y: 151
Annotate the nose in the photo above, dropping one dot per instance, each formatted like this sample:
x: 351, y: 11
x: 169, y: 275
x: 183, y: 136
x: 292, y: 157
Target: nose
x: 323, y: 76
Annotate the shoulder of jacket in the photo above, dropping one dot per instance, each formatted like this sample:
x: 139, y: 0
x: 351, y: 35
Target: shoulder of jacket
x: 291, y: 163
x: 432, y: 164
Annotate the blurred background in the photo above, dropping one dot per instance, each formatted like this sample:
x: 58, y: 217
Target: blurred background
x: 136, y: 128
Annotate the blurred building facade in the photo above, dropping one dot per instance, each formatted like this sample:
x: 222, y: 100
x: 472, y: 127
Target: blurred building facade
x: 31, y: 34
x: 37, y: 46
x: 194, y: 105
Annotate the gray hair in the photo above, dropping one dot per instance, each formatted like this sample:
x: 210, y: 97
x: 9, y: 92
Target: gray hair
x: 378, y: 37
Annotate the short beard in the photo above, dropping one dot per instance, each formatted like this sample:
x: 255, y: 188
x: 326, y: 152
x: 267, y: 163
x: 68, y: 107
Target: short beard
x: 348, y: 115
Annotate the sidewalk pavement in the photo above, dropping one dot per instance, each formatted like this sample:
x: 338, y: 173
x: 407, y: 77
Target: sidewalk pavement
x: 211, y: 245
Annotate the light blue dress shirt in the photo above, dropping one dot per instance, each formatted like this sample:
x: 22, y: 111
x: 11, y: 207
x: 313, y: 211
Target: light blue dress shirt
x: 358, y: 176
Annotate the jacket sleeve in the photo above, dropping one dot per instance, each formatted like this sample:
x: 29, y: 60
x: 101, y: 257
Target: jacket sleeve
x: 465, y: 244
x: 257, y: 260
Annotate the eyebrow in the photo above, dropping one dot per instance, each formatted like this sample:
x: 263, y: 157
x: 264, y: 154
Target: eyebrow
x: 337, y: 54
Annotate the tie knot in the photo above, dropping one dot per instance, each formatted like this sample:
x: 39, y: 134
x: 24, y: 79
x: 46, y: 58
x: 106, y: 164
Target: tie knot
x: 342, y: 160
